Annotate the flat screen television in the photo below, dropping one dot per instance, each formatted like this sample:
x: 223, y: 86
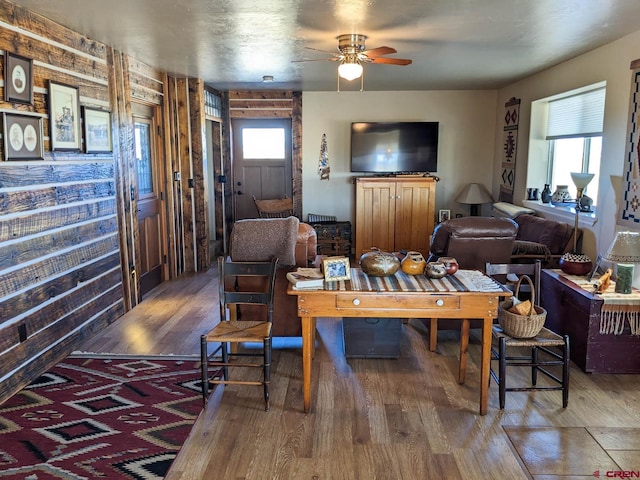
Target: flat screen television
x: 394, y: 147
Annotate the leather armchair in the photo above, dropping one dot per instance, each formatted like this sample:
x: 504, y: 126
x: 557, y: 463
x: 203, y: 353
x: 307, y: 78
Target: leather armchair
x: 270, y: 234
x: 474, y: 241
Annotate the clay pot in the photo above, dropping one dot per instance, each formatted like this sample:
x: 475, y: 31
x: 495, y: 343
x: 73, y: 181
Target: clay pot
x: 575, y: 264
x: 379, y: 264
x: 413, y: 263
x: 435, y: 270
x: 450, y: 265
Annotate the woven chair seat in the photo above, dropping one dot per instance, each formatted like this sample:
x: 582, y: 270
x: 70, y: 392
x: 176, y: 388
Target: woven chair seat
x: 247, y: 331
x: 546, y: 338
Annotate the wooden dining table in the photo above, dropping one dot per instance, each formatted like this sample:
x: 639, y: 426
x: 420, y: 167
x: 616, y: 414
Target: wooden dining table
x: 466, y: 295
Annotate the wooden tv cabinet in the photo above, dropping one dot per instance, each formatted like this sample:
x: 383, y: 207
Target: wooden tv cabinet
x: 394, y: 213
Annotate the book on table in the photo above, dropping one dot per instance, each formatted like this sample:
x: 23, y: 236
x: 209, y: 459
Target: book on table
x: 306, y: 278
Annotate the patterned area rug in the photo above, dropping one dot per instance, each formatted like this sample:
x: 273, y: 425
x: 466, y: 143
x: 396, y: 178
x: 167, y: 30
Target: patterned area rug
x: 106, y: 418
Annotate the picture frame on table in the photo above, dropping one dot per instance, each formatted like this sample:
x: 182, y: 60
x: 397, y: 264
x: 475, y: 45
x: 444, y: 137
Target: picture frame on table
x: 18, y: 79
x: 23, y: 137
x: 444, y: 215
x: 64, y: 117
x: 97, y: 130
x: 336, y: 268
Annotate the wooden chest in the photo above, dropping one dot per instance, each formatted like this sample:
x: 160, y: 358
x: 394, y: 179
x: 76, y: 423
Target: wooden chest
x: 334, y: 238
x: 574, y: 311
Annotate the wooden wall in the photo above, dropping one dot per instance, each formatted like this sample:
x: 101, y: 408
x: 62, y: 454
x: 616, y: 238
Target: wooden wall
x: 60, y: 276
x: 68, y: 223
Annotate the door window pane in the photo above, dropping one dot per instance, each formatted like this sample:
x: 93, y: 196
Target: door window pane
x: 142, y: 134
x: 263, y: 143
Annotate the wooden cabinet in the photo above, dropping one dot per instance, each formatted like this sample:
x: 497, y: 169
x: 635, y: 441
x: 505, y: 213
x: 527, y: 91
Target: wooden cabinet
x: 573, y: 311
x: 394, y: 214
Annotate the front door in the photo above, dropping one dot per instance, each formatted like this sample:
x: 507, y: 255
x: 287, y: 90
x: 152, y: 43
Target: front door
x: 150, y: 198
x: 261, y: 162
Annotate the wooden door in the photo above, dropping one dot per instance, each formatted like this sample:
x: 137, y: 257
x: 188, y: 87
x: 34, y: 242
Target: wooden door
x: 375, y: 215
x: 150, y: 199
x: 262, y: 152
x: 414, y: 215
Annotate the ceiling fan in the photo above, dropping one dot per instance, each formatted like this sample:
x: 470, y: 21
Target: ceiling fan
x: 352, y: 54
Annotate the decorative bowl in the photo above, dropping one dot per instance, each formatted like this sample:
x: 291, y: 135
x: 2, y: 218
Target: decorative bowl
x: 435, y: 270
x: 379, y: 264
x: 413, y: 263
x: 450, y: 264
x: 575, y: 264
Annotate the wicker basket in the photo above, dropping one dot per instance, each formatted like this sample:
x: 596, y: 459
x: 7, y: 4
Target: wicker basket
x: 521, y: 326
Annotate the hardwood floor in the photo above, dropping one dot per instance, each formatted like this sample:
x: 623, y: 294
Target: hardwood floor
x: 381, y: 419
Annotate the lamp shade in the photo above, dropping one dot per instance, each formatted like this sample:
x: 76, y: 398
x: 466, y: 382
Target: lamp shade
x: 350, y: 71
x: 474, y: 194
x: 625, y: 248
x: 581, y: 180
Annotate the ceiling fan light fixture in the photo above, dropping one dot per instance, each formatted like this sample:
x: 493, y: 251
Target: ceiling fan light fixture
x: 350, y: 70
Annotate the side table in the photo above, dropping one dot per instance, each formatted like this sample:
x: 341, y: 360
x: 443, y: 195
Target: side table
x: 574, y: 311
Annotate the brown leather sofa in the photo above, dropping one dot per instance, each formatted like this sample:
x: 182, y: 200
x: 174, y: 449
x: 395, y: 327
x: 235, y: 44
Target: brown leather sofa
x: 542, y: 239
x: 262, y: 238
x: 474, y: 241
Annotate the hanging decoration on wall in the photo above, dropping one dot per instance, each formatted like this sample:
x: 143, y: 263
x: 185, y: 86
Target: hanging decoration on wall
x: 510, y: 146
x: 323, y: 162
x: 629, y: 207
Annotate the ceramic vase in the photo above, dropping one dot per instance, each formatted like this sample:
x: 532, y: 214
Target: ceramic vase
x: 545, y: 196
x: 561, y: 194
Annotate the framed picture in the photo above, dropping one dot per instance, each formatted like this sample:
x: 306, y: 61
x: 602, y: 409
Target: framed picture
x: 22, y: 137
x: 336, y: 268
x: 64, y: 117
x: 18, y: 78
x: 444, y: 215
x: 97, y: 130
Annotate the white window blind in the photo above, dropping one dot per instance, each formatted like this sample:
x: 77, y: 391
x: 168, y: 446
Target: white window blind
x: 579, y: 115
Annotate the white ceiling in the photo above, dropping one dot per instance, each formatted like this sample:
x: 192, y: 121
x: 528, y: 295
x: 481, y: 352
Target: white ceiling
x: 454, y: 44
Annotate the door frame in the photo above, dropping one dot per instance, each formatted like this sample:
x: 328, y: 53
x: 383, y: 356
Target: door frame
x: 153, y: 114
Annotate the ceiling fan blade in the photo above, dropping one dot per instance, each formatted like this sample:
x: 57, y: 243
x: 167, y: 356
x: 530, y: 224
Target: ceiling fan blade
x: 334, y: 59
x: 391, y: 61
x: 323, y: 51
x: 376, y: 52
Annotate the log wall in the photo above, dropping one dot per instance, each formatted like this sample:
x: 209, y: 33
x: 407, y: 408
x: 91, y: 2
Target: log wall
x: 60, y: 275
x: 69, y: 240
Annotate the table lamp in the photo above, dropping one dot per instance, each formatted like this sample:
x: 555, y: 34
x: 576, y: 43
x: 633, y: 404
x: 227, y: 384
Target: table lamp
x: 625, y: 252
x: 474, y: 194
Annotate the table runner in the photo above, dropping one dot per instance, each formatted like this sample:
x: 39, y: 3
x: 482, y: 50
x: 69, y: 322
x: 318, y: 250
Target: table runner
x: 617, y: 308
x: 461, y: 281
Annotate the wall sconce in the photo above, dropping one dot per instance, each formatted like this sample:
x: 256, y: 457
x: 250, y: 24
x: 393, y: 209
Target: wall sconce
x: 474, y: 194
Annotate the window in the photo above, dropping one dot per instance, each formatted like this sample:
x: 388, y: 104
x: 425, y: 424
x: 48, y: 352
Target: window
x: 574, y: 136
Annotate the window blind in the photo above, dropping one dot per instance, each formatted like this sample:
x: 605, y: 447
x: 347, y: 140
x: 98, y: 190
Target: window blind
x: 579, y: 115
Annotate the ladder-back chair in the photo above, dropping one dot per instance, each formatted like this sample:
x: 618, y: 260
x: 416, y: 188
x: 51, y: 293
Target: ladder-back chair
x: 232, y: 331
x: 546, y: 341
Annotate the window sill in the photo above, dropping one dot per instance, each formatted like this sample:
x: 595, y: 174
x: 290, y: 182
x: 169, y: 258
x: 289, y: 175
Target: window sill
x: 562, y: 214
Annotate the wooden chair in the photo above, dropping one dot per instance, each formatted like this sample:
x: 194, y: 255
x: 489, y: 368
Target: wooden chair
x: 237, y: 332
x: 274, y: 208
x: 546, y: 342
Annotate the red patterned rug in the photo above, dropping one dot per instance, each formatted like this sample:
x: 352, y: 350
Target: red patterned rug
x: 117, y: 418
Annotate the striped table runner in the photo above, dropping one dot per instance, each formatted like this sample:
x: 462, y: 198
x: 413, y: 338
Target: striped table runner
x: 461, y: 281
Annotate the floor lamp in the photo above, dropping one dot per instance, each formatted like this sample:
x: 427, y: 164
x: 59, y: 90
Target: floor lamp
x: 580, y: 180
x: 474, y: 194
